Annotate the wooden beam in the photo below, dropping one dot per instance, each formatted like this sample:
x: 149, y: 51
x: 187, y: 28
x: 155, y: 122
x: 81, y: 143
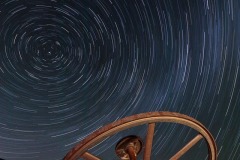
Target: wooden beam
x: 149, y: 139
x: 89, y: 156
x: 186, y: 147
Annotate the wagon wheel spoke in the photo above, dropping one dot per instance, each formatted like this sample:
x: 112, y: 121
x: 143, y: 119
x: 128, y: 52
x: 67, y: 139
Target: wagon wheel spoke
x: 130, y: 146
x: 149, y: 139
x: 186, y: 147
x: 89, y: 156
x: 131, y: 153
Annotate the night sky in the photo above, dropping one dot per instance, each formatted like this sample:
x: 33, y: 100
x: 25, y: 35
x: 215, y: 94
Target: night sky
x: 68, y: 67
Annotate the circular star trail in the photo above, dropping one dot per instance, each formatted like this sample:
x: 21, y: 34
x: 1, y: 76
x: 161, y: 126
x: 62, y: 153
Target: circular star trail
x: 70, y: 67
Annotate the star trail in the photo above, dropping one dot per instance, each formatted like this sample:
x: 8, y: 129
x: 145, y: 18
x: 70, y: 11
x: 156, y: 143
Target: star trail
x: 68, y: 67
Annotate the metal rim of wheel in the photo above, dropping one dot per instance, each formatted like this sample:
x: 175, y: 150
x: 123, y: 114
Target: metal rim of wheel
x: 150, y: 118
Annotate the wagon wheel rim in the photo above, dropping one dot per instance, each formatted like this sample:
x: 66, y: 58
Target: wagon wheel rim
x: 151, y: 118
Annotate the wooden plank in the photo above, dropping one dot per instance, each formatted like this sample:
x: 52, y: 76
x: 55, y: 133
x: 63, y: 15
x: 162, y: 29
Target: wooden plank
x: 187, y: 147
x: 89, y: 156
x: 149, y: 139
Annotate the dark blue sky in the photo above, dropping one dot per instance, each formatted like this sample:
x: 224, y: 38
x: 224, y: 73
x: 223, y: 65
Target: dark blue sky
x: 68, y: 67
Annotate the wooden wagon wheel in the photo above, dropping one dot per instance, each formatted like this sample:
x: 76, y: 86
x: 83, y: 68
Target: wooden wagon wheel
x: 130, y: 146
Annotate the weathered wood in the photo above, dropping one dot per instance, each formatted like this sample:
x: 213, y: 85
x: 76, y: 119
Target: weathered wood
x: 148, y: 143
x: 131, y: 153
x: 140, y: 119
x: 186, y: 147
x: 89, y: 156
